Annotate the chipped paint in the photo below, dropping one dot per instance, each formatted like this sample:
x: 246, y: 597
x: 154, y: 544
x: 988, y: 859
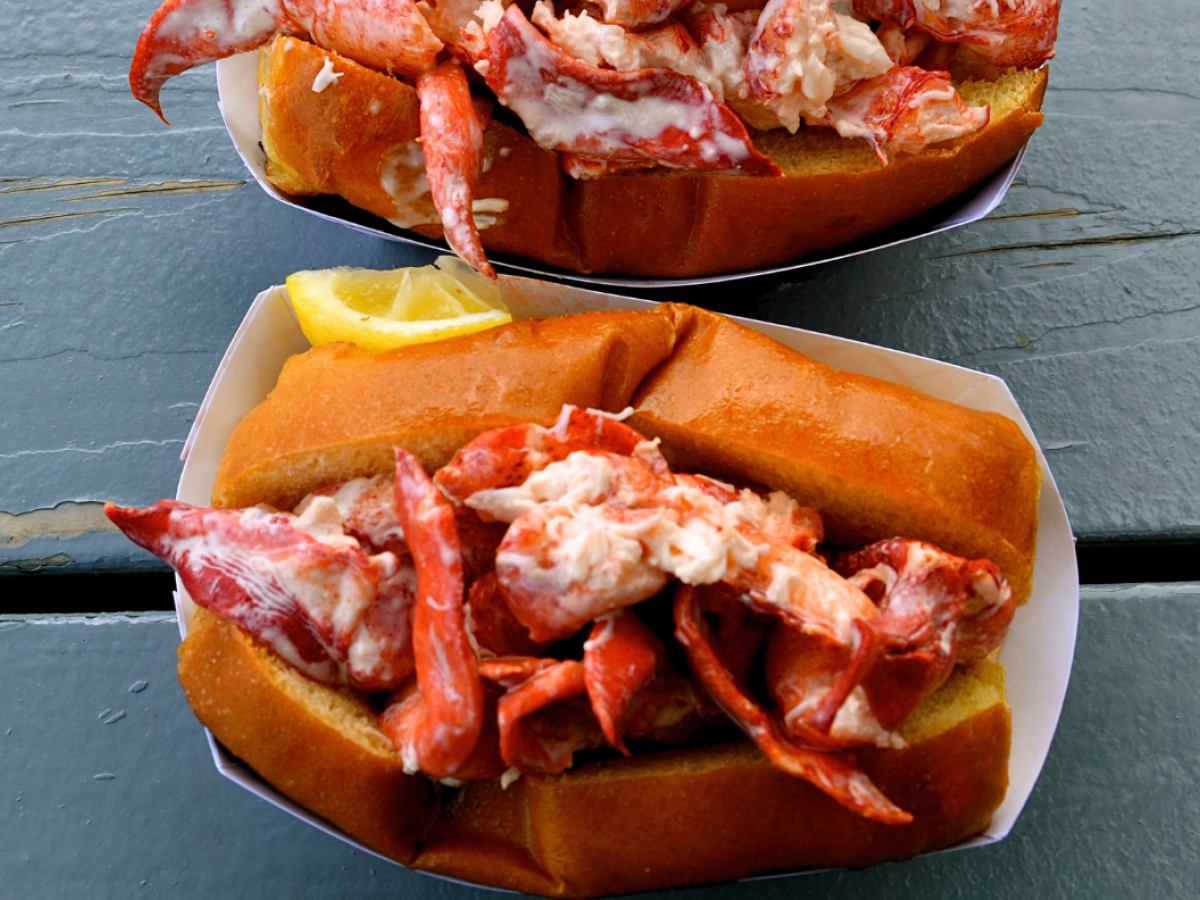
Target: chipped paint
x: 166, y: 187
x: 53, y: 217
x: 36, y: 564
x: 28, y: 185
x: 1068, y: 212
x: 65, y: 520
x: 1112, y: 240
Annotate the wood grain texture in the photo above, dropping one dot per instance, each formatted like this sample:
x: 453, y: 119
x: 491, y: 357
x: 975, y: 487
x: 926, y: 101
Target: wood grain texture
x: 129, y: 252
x: 107, y: 788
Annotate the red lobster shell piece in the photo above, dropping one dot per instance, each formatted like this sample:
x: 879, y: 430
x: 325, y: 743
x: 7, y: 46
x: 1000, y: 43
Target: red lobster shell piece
x: 448, y: 718
x: 387, y: 35
x: 620, y: 658
x: 643, y: 114
x: 336, y: 613
x: 904, y: 111
x: 831, y: 772
x: 497, y: 631
x: 546, y: 719
x: 452, y: 136
x: 1007, y: 33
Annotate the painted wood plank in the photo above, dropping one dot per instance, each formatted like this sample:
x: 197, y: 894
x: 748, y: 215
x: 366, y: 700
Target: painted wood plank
x: 107, y: 788
x: 129, y: 251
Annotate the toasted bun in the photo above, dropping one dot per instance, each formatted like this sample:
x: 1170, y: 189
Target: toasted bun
x: 670, y: 819
x: 723, y: 399
x: 876, y: 460
x: 339, y: 141
x: 337, y: 411
x: 321, y: 746
x: 715, y: 813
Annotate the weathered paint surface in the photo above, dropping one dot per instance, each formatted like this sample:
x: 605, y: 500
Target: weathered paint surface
x: 107, y: 789
x: 129, y: 252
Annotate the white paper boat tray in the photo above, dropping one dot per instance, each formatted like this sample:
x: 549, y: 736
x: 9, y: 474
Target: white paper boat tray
x: 1040, y: 645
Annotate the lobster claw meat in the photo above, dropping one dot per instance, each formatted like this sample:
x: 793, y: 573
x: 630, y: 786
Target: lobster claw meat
x: 452, y: 136
x: 336, y: 613
x: 602, y: 114
x: 831, y: 772
x: 448, y: 719
x: 388, y: 35
x: 620, y: 658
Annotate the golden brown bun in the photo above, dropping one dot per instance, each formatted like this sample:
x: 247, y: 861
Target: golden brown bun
x: 651, y: 222
x: 320, y: 746
x: 678, y: 817
x: 723, y: 398
x: 337, y: 411
x: 671, y: 819
x: 710, y: 814
x: 876, y: 460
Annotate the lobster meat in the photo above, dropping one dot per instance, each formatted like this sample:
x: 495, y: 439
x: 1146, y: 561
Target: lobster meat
x: 406, y: 586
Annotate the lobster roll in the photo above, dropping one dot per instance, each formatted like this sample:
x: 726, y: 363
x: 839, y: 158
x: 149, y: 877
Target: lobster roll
x: 610, y: 602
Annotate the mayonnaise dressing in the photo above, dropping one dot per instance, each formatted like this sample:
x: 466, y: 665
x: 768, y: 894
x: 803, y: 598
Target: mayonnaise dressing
x: 326, y: 77
x: 403, y: 178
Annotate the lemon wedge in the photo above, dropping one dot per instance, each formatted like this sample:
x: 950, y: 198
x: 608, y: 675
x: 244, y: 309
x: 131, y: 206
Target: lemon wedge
x: 383, y: 310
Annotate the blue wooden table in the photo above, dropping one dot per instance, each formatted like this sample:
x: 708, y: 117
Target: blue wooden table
x: 129, y: 252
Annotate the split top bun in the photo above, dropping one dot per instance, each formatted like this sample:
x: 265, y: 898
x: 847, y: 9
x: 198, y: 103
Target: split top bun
x: 874, y: 459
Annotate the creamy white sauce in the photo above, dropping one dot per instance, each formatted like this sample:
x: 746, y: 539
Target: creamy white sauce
x: 855, y: 721
x: 403, y: 178
x: 326, y: 77
x: 564, y: 114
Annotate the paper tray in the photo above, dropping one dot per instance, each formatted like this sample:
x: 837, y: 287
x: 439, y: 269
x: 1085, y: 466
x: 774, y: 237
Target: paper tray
x: 1041, y: 642
x: 237, y: 88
